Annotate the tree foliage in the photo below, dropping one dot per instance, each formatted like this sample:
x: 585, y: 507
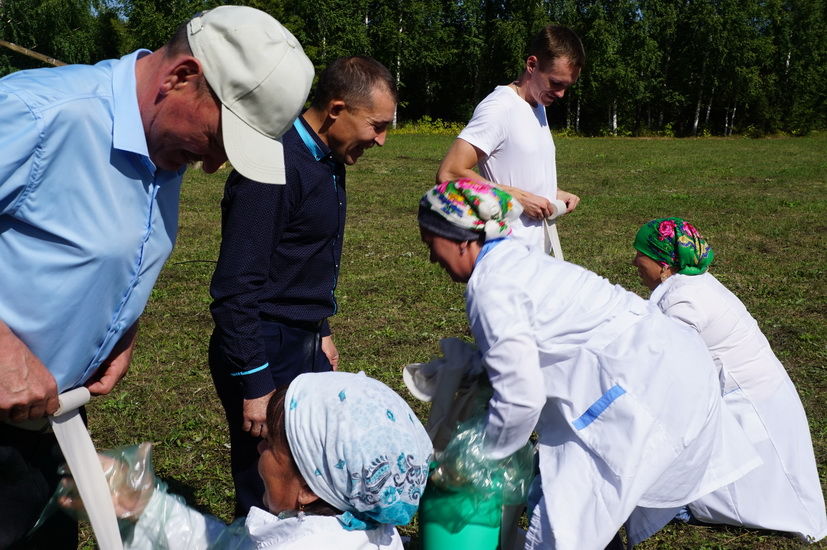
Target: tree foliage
x: 687, y: 67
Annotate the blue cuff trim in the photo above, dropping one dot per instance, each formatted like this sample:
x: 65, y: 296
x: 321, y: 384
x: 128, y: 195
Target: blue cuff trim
x: 598, y: 407
x: 251, y: 371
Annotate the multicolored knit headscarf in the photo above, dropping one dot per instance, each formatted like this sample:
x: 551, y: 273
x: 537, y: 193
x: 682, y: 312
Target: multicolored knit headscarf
x: 466, y: 208
x: 675, y: 243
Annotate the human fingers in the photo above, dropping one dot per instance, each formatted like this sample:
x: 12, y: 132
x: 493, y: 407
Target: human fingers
x: 534, y: 210
x: 27, y: 389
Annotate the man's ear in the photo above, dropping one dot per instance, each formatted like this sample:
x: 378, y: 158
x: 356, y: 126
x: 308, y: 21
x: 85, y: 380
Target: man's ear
x: 335, y: 108
x: 531, y: 63
x: 183, y: 72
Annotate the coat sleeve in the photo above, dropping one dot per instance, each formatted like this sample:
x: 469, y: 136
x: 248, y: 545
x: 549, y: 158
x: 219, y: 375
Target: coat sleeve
x: 502, y: 317
x: 682, y: 306
x: 168, y: 523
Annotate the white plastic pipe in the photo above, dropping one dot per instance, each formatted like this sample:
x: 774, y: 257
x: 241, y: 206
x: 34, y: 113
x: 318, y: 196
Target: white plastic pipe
x: 86, y: 468
x: 552, y: 240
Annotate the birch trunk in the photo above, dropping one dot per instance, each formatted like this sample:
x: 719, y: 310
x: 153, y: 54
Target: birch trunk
x: 577, y: 117
x: 697, y: 115
x: 709, y: 107
x: 700, y: 97
x: 398, y: 67
x: 613, y: 117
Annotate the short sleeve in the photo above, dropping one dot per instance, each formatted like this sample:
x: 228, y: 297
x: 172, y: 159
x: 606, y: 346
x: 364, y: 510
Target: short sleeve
x: 486, y: 129
x: 20, y: 131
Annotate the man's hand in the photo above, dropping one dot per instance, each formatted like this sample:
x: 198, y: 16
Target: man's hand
x: 115, y: 366
x: 570, y: 199
x: 329, y: 349
x: 534, y: 206
x: 27, y: 389
x: 255, y: 415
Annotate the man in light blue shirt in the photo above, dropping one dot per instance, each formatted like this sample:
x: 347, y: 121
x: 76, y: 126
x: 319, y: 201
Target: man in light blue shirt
x: 90, y: 174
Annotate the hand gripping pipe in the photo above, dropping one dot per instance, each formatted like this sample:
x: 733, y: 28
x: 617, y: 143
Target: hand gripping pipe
x: 85, y: 467
x: 550, y: 223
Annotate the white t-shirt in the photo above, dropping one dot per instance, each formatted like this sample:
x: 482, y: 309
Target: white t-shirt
x: 519, y: 150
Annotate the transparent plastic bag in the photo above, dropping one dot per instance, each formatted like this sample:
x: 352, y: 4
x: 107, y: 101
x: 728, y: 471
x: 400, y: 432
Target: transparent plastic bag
x: 468, y: 487
x: 129, y: 473
x: 148, y: 516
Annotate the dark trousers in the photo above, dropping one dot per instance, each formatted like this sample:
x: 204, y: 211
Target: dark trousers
x: 29, y: 461
x: 291, y: 351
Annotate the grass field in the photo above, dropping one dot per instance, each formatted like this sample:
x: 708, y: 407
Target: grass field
x: 761, y: 203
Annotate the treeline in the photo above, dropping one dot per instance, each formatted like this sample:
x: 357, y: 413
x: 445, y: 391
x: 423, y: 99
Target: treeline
x: 668, y: 67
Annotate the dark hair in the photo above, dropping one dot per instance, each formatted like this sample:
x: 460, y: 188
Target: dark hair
x: 179, y: 44
x: 352, y: 79
x: 278, y: 435
x: 556, y: 41
x: 436, y: 224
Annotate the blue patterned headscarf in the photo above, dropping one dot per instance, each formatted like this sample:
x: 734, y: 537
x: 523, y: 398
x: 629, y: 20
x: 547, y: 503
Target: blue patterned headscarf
x: 358, y: 446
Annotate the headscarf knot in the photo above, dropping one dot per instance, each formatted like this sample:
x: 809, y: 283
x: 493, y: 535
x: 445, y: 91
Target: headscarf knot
x: 465, y: 208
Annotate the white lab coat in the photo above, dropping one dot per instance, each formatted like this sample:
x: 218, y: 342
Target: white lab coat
x: 625, y: 401
x: 784, y: 494
x: 168, y: 523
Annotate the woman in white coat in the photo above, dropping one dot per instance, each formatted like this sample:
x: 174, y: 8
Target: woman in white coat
x: 625, y: 401
x: 344, y: 460
x: 783, y: 494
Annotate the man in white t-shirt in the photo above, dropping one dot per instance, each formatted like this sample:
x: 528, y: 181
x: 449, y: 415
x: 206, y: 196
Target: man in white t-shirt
x: 508, y: 137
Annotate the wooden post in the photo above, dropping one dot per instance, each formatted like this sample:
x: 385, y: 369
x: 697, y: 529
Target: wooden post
x: 31, y: 53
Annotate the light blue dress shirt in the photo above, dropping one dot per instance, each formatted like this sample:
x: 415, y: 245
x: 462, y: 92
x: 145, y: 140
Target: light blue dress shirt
x: 86, y: 219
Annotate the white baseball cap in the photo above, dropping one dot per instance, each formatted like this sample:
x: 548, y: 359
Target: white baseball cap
x: 261, y: 75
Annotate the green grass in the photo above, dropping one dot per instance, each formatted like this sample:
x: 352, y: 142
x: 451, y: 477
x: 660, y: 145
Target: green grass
x: 761, y: 203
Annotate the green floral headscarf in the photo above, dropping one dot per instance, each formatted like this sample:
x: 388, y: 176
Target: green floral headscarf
x: 675, y: 243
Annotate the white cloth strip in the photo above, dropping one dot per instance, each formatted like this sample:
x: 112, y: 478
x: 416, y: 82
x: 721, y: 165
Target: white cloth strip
x: 86, y: 469
x: 552, y: 244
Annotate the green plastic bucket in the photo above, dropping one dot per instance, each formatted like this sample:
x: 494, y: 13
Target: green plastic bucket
x: 455, y: 521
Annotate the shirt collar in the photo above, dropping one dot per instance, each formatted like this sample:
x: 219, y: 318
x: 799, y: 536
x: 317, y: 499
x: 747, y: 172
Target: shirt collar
x: 128, y: 128
x: 487, y: 247
x: 660, y: 290
x: 320, y: 151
